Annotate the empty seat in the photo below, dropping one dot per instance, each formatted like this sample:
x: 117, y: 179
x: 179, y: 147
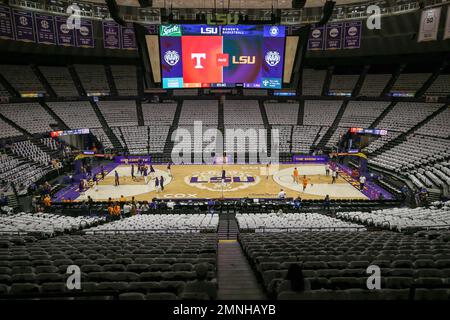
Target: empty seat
x: 161, y: 296
x: 431, y: 294
x: 131, y: 296
x: 23, y: 288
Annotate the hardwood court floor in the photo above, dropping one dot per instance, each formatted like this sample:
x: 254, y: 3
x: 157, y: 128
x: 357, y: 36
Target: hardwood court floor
x: 204, y: 181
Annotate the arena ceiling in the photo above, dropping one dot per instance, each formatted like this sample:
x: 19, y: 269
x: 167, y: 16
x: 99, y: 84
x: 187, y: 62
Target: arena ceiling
x: 234, y: 4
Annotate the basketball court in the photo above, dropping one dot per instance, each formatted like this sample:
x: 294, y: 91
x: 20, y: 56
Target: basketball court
x: 241, y: 181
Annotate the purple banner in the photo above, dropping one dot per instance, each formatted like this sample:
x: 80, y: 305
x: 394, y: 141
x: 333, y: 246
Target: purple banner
x: 352, y: 35
x: 171, y: 64
x: 111, y: 35
x: 45, y: 28
x: 316, y: 38
x: 334, y: 36
x: 6, y: 26
x: 132, y: 159
x: 128, y: 37
x: 84, y: 35
x: 65, y: 36
x: 300, y: 158
x: 23, y: 23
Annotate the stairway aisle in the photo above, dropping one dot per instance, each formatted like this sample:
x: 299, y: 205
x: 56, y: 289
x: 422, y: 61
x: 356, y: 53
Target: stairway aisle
x: 237, y: 280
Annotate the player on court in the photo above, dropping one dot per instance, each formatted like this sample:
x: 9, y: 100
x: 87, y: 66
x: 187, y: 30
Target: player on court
x: 152, y: 172
x: 223, y: 177
x: 145, y: 175
x: 132, y: 173
x: 95, y: 180
x: 116, y: 179
x: 305, y: 182
x: 168, y: 169
x: 157, y: 186
x: 296, y: 177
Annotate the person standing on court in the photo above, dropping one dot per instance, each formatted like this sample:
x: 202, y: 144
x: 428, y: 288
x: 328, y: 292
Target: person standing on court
x: 161, y: 183
x: 333, y: 176
x: 296, y: 178
x: 116, y: 179
x: 152, y: 172
x: 305, y: 182
x: 362, y: 182
x: 327, y: 169
x: 168, y: 169
x: 223, y: 176
x: 132, y: 172
x: 157, y: 187
x: 145, y: 175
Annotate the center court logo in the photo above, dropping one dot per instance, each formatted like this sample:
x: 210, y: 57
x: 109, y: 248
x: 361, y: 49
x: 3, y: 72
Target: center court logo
x: 272, y: 58
x: 212, y: 180
x: 171, y: 57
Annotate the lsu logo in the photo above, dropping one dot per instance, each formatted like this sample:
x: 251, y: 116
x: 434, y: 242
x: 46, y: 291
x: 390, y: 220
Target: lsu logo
x: 171, y: 57
x: 244, y: 60
x: 272, y: 58
x: 209, y: 30
x: 212, y: 180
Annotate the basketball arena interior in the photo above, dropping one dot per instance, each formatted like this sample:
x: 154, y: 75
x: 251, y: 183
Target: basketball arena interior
x: 225, y: 150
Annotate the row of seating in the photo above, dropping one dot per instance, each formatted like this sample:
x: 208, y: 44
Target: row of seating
x: 167, y: 222
x: 402, y: 218
x: 334, y: 261
x: 282, y: 222
x: 157, y: 264
x: 416, y: 151
x: 137, y: 139
x: 45, y: 223
x: 31, y: 151
x: 93, y: 78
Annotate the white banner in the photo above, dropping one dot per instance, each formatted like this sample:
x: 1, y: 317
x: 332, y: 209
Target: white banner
x: 447, y: 25
x: 429, y: 24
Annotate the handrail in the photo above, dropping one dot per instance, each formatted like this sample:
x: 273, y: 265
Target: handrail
x: 428, y: 226
x: 294, y: 229
x: 172, y: 230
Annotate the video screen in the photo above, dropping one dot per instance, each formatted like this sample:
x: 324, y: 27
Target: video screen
x: 204, y: 56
